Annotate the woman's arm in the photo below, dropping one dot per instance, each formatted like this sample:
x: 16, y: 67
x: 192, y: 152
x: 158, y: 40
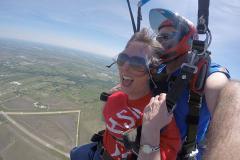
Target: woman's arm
x: 155, y: 118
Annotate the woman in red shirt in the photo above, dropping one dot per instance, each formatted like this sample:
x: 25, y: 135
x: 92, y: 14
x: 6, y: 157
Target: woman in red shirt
x: 128, y: 109
x: 124, y: 109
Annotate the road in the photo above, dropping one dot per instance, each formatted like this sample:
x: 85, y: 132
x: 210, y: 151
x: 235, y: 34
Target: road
x: 36, y: 138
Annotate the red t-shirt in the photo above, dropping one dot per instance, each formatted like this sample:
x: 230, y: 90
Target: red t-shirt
x: 121, y: 114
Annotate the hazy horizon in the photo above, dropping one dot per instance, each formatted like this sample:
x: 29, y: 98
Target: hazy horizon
x: 104, y: 27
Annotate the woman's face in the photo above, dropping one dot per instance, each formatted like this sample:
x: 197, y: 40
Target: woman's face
x: 133, y: 70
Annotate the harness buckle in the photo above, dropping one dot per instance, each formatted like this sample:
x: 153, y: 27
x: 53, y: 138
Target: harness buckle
x: 193, y: 153
x: 188, y: 155
x: 189, y: 68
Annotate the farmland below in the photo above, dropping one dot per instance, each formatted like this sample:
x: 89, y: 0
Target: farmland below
x: 37, y: 78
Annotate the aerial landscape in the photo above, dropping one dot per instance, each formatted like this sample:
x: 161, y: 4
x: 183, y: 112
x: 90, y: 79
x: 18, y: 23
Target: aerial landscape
x: 53, y: 66
x: 49, y: 98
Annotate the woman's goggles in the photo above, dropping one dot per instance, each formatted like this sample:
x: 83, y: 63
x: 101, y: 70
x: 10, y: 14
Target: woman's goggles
x: 137, y: 64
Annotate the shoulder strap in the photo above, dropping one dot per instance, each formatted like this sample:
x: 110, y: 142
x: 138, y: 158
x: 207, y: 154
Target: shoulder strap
x: 194, y: 76
x: 104, y: 96
x: 98, y: 137
x: 181, y: 82
x: 131, y: 139
x: 189, y: 148
x: 203, y: 13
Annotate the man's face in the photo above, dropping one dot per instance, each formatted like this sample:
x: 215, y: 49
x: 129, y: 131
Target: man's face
x: 168, y: 37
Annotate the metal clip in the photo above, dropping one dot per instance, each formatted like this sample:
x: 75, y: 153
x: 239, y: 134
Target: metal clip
x: 194, y: 153
x: 189, y: 68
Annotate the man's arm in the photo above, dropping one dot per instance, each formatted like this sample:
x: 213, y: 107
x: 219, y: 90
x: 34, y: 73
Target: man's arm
x: 223, y: 139
x: 214, y: 84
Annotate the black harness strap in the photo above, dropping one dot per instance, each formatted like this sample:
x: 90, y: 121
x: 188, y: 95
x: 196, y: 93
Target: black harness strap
x: 175, y: 93
x: 203, y: 13
x: 104, y: 96
x: 131, y: 140
x: 195, y: 101
x: 98, y: 138
x: 189, y: 148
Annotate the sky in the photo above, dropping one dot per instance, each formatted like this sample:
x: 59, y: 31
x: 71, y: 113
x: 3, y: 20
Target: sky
x: 104, y: 26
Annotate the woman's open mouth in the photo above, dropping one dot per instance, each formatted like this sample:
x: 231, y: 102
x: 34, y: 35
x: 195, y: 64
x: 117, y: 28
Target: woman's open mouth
x: 126, y: 81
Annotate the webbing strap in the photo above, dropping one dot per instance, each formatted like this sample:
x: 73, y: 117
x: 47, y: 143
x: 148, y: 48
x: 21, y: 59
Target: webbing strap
x: 131, y: 141
x: 190, y: 145
x: 195, y: 101
x: 106, y: 156
x: 181, y: 82
x: 203, y: 13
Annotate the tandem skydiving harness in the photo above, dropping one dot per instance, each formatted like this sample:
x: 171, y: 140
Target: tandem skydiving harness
x: 130, y: 139
x: 98, y: 138
x: 192, y: 74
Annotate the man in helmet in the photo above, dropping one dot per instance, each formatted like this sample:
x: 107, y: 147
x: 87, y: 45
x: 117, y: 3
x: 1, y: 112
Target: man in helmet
x: 176, y: 33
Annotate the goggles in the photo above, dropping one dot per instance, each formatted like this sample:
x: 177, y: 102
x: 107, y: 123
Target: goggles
x: 137, y: 64
x: 162, y: 37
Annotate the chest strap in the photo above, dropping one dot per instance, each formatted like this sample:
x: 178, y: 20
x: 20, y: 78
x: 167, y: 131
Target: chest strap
x: 189, y: 148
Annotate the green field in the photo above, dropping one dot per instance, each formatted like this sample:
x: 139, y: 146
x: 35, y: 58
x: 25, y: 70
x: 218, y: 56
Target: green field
x: 42, y: 78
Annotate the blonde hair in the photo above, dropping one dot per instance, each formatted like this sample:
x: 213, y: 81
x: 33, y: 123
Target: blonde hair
x: 147, y: 38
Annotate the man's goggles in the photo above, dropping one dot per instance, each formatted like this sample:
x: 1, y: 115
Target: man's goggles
x: 162, y: 37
